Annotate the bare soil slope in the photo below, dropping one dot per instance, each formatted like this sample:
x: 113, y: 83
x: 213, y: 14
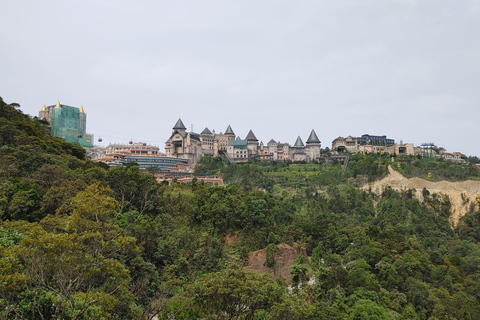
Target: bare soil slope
x: 460, y: 205
x: 285, y: 258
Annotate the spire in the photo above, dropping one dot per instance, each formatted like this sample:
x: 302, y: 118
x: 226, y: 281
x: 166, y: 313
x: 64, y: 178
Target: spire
x: 299, y: 142
x: 313, y: 138
x: 179, y: 125
x: 58, y: 104
x: 229, y: 130
x: 251, y: 136
x: 81, y: 109
x: 44, y: 108
x: 206, y: 131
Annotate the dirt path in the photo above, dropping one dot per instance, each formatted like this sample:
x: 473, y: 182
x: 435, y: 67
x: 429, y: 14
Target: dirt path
x: 460, y: 205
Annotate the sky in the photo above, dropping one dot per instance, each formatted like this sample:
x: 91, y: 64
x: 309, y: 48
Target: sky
x: 407, y: 69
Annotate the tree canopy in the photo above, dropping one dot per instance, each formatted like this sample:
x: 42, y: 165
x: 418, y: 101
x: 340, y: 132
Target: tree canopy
x: 79, y: 240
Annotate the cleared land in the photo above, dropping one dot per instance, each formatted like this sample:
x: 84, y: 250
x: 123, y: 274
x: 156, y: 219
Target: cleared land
x: 462, y: 193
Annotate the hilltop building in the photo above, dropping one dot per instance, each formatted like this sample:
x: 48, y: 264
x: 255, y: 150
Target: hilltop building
x: 158, y: 165
x: 116, y: 151
x: 183, y: 144
x: 372, y: 144
x: 192, y: 146
x: 68, y: 123
x: 430, y: 150
x: 147, y: 156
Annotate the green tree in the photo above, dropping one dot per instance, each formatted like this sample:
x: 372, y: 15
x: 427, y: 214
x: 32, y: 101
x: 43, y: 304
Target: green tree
x: 270, y: 251
x: 366, y: 309
x: 234, y: 294
x: 292, y: 307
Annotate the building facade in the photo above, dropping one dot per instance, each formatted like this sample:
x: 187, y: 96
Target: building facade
x: 192, y: 146
x: 183, y: 144
x: 155, y: 164
x: 68, y: 123
x: 371, y: 144
x: 115, y: 151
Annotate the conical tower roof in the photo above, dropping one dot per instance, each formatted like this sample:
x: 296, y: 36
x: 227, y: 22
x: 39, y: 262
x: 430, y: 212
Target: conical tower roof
x: 44, y: 108
x: 299, y: 142
x: 81, y: 109
x: 58, y: 104
x: 229, y: 130
x: 251, y: 136
x: 206, y: 131
x: 179, y: 125
x: 313, y: 138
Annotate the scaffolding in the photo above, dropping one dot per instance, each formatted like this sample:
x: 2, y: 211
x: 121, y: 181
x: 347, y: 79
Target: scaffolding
x: 68, y: 123
x: 428, y: 150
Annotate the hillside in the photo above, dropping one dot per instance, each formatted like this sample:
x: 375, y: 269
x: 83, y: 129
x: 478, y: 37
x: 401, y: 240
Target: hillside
x: 82, y: 241
x: 462, y: 194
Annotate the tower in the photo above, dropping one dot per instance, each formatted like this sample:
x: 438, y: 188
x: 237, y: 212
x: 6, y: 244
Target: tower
x: 229, y: 133
x: 313, y: 146
x: 68, y: 123
x: 179, y: 126
x: 252, y: 142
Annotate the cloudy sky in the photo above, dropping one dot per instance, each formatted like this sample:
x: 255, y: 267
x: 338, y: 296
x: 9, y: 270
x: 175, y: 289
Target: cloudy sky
x: 408, y: 69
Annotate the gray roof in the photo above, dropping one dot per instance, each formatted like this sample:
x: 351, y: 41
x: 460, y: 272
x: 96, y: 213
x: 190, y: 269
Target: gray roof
x: 299, y: 142
x: 195, y: 136
x: 180, y: 132
x: 229, y: 130
x: 272, y: 141
x: 251, y: 136
x: 239, y: 144
x: 206, y: 131
x: 313, y: 138
x: 179, y: 125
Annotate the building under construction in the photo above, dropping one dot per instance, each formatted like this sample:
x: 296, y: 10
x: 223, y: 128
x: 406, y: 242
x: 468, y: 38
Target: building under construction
x: 68, y: 123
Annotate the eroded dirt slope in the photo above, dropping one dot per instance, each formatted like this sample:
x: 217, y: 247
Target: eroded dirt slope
x: 460, y: 204
x: 285, y: 258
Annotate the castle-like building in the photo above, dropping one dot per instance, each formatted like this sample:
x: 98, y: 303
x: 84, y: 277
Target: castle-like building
x: 192, y: 146
x: 68, y: 123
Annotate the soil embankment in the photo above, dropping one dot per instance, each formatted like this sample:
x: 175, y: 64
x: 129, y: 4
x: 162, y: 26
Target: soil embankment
x: 285, y: 258
x: 461, y: 193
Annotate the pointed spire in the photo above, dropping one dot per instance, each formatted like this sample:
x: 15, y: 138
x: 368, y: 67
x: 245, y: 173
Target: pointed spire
x: 229, y: 130
x: 313, y: 138
x: 81, y: 109
x: 44, y: 108
x: 251, y: 136
x: 179, y: 125
x: 299, y: 142
x: 206, y: 131
x: 58, y: 104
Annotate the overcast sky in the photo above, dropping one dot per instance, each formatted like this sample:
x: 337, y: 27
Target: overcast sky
x: 408, y: 69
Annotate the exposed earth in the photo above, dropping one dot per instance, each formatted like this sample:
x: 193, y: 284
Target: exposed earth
x: 285, y: 258
x: 462, y: 196
x: 460, y: 204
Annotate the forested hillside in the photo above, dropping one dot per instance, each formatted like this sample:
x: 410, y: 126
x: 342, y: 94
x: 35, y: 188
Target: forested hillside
x: 81, y: 241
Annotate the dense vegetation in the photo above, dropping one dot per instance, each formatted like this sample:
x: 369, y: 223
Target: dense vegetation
x: 438, y: 168
x: 81, y: 241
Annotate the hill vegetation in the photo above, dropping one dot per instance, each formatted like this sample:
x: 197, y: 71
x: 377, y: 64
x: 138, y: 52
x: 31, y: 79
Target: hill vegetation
x: 82, y: 241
